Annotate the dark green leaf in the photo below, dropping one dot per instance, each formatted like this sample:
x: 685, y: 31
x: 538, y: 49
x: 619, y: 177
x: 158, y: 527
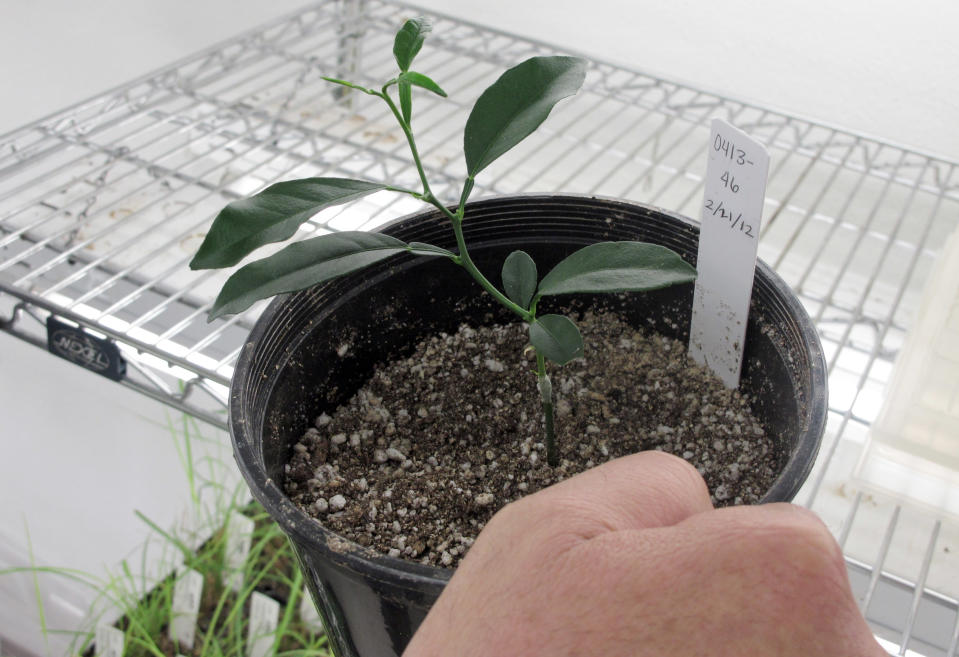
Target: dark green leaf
x: 428, y: 249
x: 556, y: 337
x: 420, y: 80
x: 519, y: 277
x: 273, y: 215
x: 409, y: 40
x: 406, y: 100
x: 617, y: 267
x: 516, y: 104
x: 307, y: 263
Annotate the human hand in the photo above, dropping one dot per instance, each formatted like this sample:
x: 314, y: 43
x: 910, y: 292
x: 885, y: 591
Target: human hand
x: 631, y: 559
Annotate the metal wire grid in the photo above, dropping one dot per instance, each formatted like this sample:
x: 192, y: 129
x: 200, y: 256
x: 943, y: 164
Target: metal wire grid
x: 102, y: 206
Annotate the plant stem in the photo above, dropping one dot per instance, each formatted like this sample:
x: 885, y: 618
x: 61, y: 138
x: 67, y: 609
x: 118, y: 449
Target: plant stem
x: 467, y: 188
x: 455, y: 218
x: 466, y: 262
x: 546, y: 394
x: 468, y: 265
x: 407, y: 130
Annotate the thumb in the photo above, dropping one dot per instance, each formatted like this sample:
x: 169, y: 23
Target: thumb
x: 648, y: 489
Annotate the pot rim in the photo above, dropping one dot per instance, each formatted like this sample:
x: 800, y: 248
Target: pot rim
x: 414, y: 575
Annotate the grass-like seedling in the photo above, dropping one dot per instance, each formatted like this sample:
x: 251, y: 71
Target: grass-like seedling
x: 223, y: 627
x: 145, y: 603
x: 506, y: 113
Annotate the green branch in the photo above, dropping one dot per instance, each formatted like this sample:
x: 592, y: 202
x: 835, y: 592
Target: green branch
x: 456, y: 218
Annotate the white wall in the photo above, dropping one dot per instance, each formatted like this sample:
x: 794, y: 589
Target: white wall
x: 884, y: 67
x: 79, y: 453
x: 78, y: 456
x: 59, y: 52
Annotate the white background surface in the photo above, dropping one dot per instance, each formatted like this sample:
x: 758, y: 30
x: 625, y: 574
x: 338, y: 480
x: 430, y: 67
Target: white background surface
x: 883, y: 67
x: 79, y: 455
x: 880, y: 67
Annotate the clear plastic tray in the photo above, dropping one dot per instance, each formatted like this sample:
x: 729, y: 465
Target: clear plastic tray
x: 913, y: 448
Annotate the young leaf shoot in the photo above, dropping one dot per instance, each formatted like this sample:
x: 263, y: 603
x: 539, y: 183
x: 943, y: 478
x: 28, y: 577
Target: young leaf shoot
x: 510, y: 110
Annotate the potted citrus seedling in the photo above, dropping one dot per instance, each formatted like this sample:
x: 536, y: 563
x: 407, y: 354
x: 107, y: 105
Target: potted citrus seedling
x: 413, y: 380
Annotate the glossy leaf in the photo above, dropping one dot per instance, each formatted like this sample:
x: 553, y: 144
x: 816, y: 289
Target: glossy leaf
x: 405, y: 91
x: 422, y: 81
x: 273, y: 215
x: 422, y: 248
x: 617, y: 267
x: 306, y: 263
x: 405, y: 83
x: 519, y: 277
x: 516, y: 104
x: 556, y: 337
x: 409, y: 40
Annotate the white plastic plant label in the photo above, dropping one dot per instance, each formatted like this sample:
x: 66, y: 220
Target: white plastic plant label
x: 735, y: 189
x: 185, y: 607
x: 239, y: 538
x: 264, y: 617
x: 109, y: 641
x: 308, y: 614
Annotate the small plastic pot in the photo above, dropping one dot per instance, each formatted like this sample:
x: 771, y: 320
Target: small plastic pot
x: 310, y: 351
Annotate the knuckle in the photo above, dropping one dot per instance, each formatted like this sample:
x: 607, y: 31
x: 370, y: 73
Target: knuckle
x: 684, y: 471
x: 814, y: 533
x: 535, y: 516
x: 800, y: 541
x: 508, y: 516
x: 681, y: 480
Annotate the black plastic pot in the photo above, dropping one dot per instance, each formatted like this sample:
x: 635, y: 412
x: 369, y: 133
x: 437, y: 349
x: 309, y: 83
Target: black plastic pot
x: 291, y: 369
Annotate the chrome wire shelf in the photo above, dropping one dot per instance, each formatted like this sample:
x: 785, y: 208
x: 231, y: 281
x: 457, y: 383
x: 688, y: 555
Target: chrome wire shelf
x: 102, y: 206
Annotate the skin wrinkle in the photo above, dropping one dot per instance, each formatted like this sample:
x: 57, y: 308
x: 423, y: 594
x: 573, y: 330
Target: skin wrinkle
x: 798, y: 562
x: 685, y: 577
x: 649, y: 489
x: 643, y: 543
x: 541, y: 526
x: 669, y: 490
x: 733, y: 582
